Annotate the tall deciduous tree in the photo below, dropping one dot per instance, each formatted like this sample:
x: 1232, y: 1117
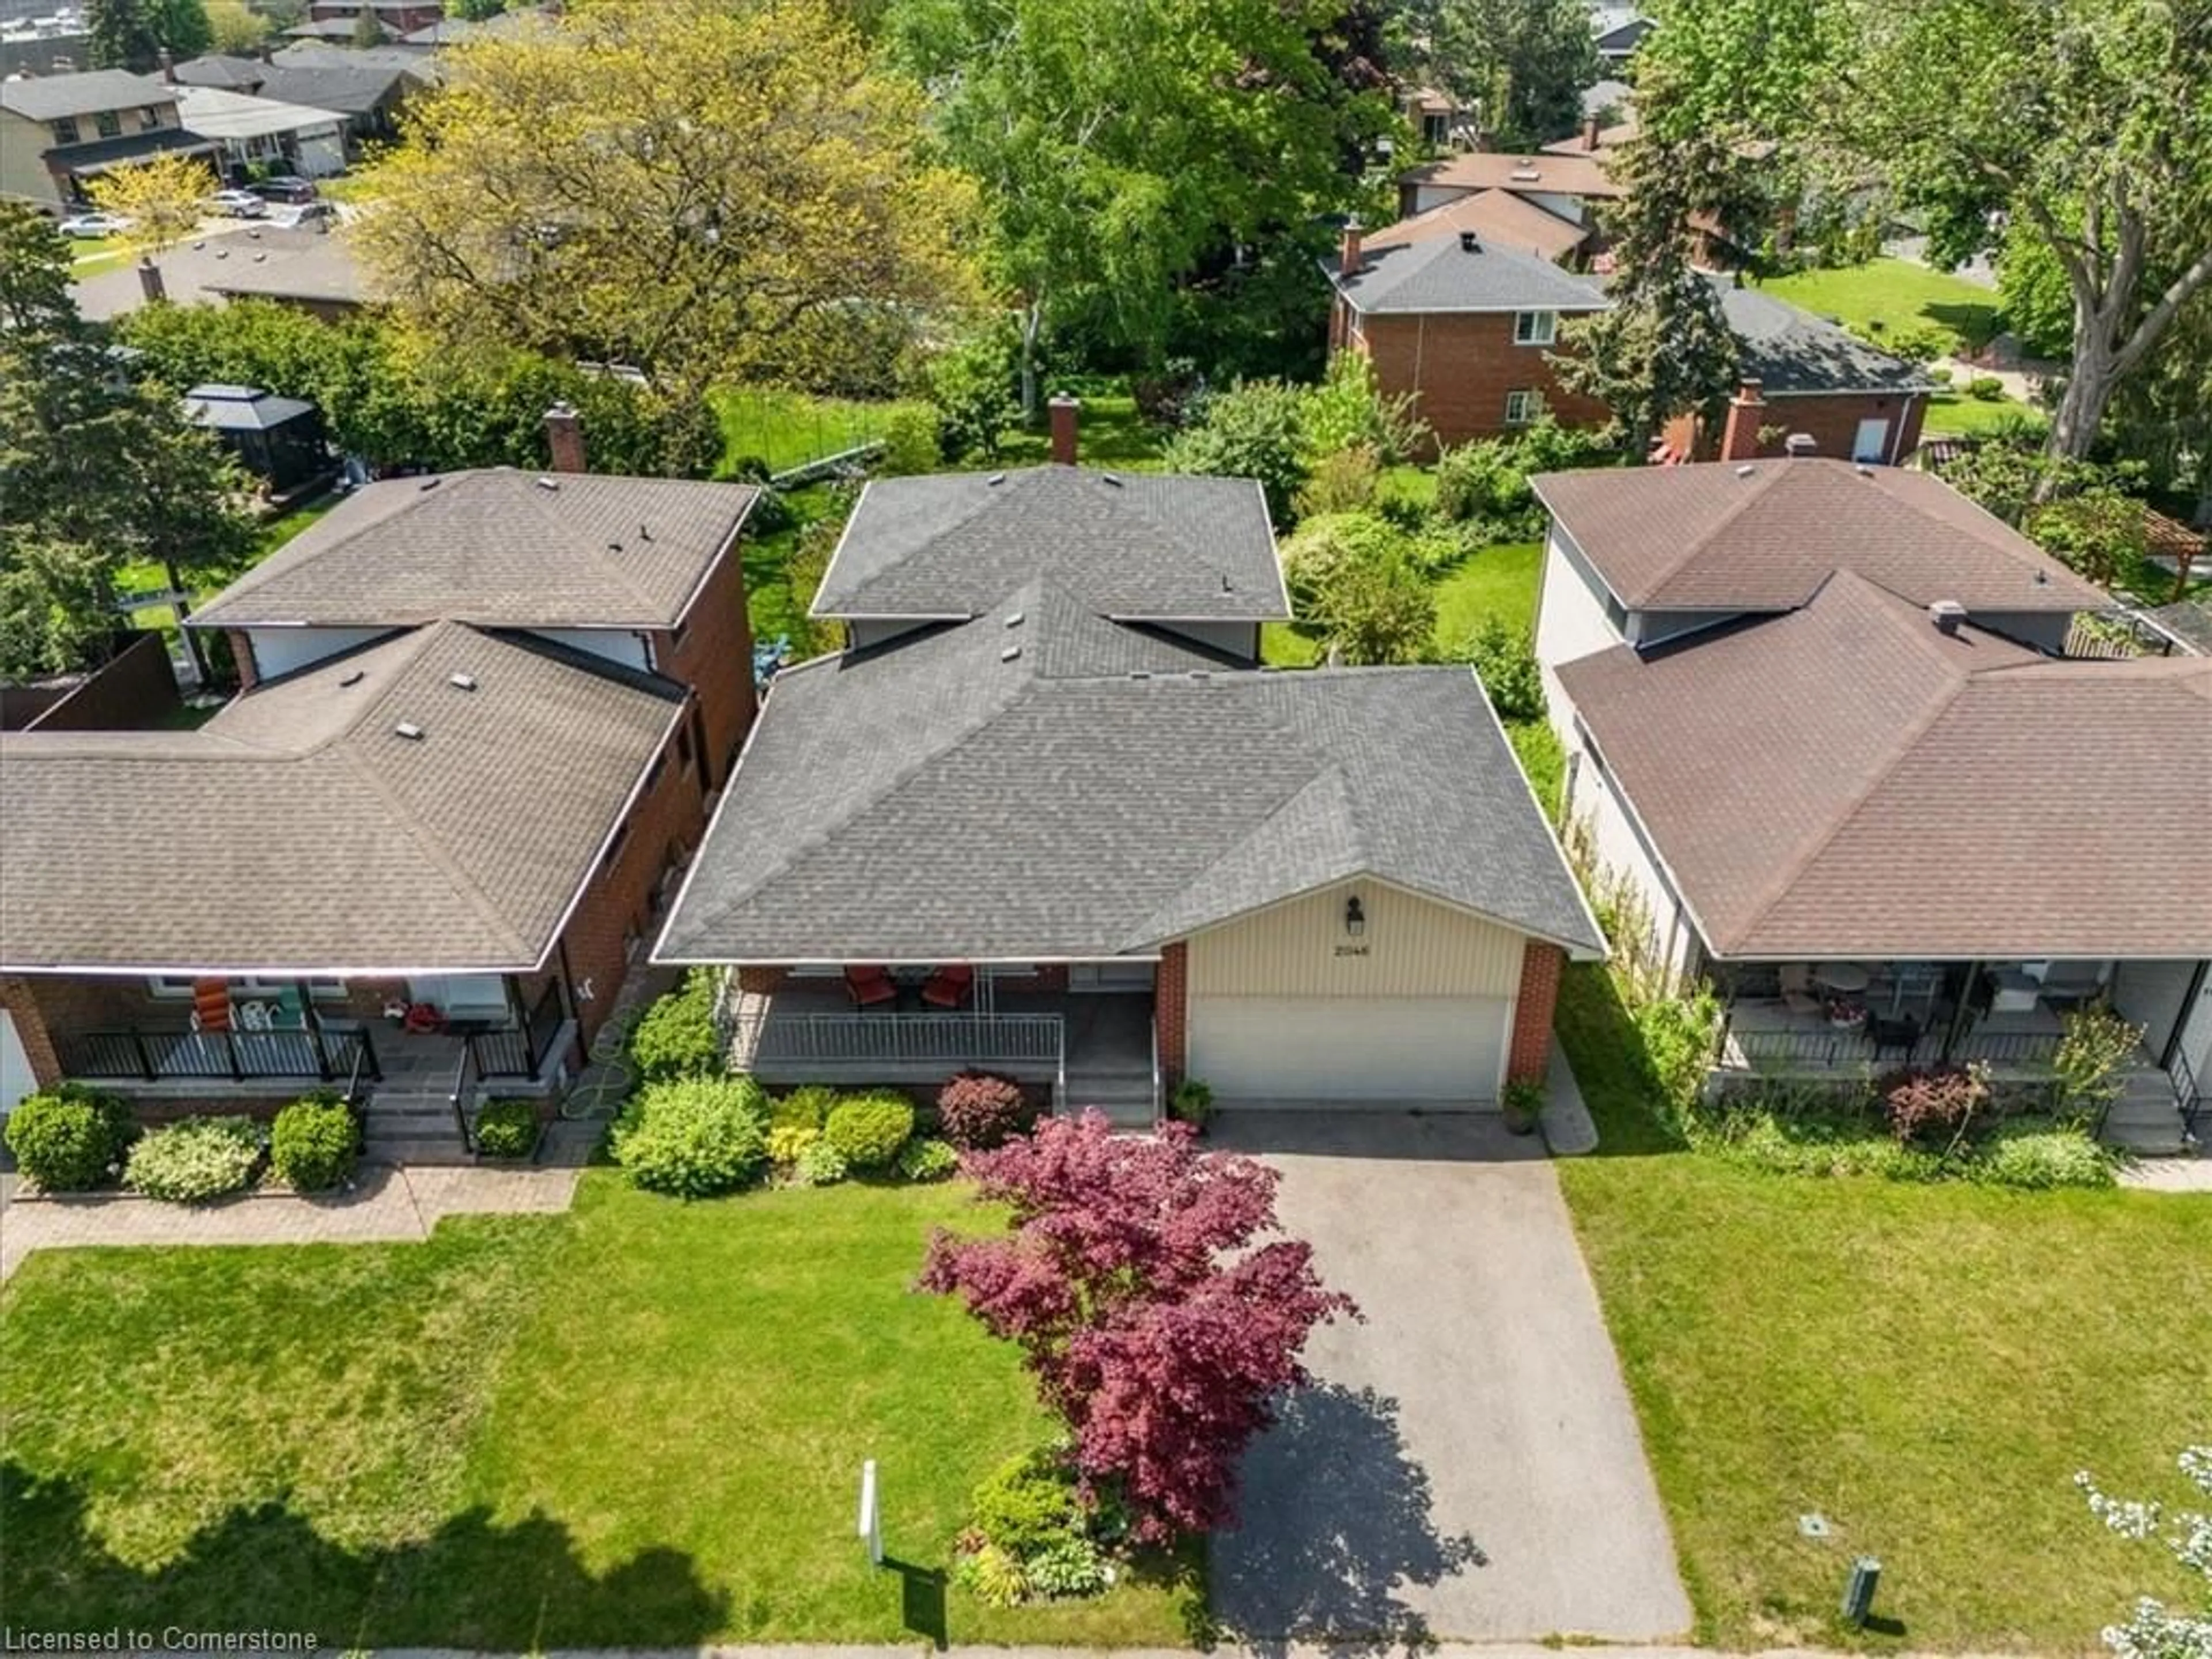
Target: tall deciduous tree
x: 1524, y: 63
x: 705, y: 188
x: 163, y: 200
x: 235, y: 26
x: 1123, y: 144
x: 1137, y: 1285
x: 184, y: 26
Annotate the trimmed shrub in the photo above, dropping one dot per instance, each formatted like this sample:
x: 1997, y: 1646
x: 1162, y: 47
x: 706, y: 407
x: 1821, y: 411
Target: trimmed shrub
x: 693, y: 1137
x: 1985, y: 388
x: 313, y: 1143
x: 69, y: 1139
x: 787, y: 1142
x: 1343, y: 481
x: 927, y: 1160
x: 1028, y: 1504
x: 911, y: 440
x: 507, y: 1128
x: 1064, y: 1570
x: 803, y: 1108
x: 977, y: 1110
x: 868, y: 1130
x: 678, y: 1037
x: 1255, y: 429
x: 818, y: 1164
x: 2042, y: 1160
x: 197, y: 1159
x: 1192, y: 1102
x: 1933, y: 1104
x: 1505, y: 661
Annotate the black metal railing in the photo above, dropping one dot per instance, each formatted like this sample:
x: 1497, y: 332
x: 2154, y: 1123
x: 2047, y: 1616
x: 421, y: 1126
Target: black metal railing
x: 156, y: 1056
x: 464, y: 1093
x: 520, y: 1050
x: 1798, y: 1047
x: 2184, y: 1078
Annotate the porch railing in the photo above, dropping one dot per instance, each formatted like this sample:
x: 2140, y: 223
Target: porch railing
x: 902, y: 1039
x: 1825, y: 1050
x: 2183, y: 1077
x: 520, y: 1050
x: 156, y: 1056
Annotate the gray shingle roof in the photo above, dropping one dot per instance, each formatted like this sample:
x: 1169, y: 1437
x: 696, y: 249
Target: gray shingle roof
x: 297, y: 830
x: 498, y: 548
x: 1847, y: 782
x: 241, y: 407
x: 1436, y: 274
x: 219, y: 68
x: 1764, y: 536
x: 933, y: 799
x: 348, y: 91
x: 1125, y: 544
x: 1788, y: 350
x: 52, y: 97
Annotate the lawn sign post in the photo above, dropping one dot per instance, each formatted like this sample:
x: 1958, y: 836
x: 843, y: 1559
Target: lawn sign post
x: 872, y: 1516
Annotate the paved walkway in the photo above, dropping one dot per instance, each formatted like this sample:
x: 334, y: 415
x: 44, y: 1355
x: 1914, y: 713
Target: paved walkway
x: 1569, y: 1130
x: 386, y: 1203
x: 1467, y: 1466
x: 2174, y: 1174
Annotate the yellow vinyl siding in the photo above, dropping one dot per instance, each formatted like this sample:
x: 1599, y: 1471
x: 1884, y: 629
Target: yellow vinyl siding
x: 1410, y: 948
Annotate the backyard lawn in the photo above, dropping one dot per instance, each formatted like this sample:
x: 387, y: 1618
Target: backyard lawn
x: 1950, y: 415
x: 1887, y: 294
x: 640, y: 1424
x: 1927, y: 1367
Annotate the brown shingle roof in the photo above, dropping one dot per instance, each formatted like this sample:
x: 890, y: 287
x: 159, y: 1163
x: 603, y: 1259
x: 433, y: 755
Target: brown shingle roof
x: 498, y: 548
x: 1525, y: 175
x: 1496, y: 216
x: 1848, y: 781
x: 1763, y: 536
x: 298, y: 830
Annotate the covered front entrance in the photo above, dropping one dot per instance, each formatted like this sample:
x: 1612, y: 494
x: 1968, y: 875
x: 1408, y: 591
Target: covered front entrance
x: 1439, y: 1052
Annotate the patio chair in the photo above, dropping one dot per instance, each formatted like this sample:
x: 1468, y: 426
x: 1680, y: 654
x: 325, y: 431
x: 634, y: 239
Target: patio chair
x: 210, y: 1005
x: 871, y: 985
x: 948, y: 988
x: 1902, y: 1034
x: 1797, y: 995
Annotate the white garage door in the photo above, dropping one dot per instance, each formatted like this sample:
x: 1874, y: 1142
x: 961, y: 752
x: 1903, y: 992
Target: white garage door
x: 1290, y: 1050
x: 15, y: 1078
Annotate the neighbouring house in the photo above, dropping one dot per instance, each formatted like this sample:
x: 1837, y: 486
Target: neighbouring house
x: 1807, y: 382
x: 398, y: 17
x: 220, y: 70
x: 1463, y: 326
x: 59, y: 132
x: 1566, y: 186
x: 1500, y: 219
x: 250, y: 132
x: 280, y: 440
x: 1596, y: 137
x: 368, y: 93
x: 335, y: 31
x: 483, y: 713
x: 312, y: 268
x: 1823, y: 740
x: 1046, y: 815
x: 1438, y: 119
x: 453, y: 31
x: 1618, y: 30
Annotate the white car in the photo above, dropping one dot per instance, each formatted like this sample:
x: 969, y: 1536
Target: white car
x: 238, y: 204
x: 93, y: 225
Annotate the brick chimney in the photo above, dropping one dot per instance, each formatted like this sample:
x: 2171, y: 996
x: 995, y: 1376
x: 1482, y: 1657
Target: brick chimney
x: 1740, y: 439
x: 1063, y: 411
x: 564, y: 437
x: 1590, y: 133
x: 1348, y: 253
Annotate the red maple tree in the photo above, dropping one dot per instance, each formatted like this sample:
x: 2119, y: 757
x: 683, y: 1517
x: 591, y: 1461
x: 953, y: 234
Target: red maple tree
x: 1155, y: 1324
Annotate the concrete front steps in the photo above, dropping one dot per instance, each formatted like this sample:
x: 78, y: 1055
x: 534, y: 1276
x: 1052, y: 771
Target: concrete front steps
x: 1125, y: 1095
x: 2145, y: 1119
x: 412, y: 1127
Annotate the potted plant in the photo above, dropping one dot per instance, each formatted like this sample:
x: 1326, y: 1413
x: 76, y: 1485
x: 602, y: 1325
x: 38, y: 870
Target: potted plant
x: 1523, y: 1104
x: 1846, y: 1015
x: 1192, y: 1102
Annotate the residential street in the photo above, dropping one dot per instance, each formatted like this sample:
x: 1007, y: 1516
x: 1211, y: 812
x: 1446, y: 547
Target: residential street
x: 1469, y: 1467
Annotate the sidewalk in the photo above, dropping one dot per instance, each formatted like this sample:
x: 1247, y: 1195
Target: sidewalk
x: 386, y: 1204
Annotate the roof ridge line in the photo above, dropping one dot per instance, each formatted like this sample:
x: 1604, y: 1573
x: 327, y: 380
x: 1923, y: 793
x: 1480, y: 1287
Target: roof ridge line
x: 1758, y: 493
x: 267, y: 570
x: 1331, y: 773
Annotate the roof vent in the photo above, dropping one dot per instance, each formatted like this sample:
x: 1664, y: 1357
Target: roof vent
x: 1946, y: 614
x: 1525, y: 175
x: 996, y: 478
x: 1014, y: 619
x: 1469, y: 242
x: 1140, y: 673
x: 1227, y: 587
x: 548, y: 484
x: 354, y: 678
x: 1010, y: 654
x: 1110, y: 478
x: 462, y: 681
x: 1745, y: 471
x: 1799, y: 445
x: 614, y: 547
x: 644, y: 534
x: 1201, y: 674
x: 408, y: 730
x: 1863, y: 470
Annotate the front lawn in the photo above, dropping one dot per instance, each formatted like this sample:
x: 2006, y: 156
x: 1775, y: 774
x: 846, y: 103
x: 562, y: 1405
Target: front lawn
x: 640, y: 1424
x: 1954, y: 415
x: 1887, y: 294
x: 1926, y: 1366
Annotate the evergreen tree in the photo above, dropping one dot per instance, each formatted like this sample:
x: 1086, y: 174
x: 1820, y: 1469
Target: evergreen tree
x: 124, y: 35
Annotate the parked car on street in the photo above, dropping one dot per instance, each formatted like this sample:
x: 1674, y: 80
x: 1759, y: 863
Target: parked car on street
x: 94, y: 226
x: 309, y: 215
x: 285, y: 187
x: 238, y: 204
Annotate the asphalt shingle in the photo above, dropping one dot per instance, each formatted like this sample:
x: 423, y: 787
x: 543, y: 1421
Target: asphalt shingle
x: 1438, y: 274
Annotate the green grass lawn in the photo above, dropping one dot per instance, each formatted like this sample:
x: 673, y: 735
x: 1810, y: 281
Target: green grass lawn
x: 1893, y: 294
x: 144, y: 575
x: 1500, y: 581
x: 1109, y: 434
x: 1925, y: 1366
x: 790, y: 429
x: 640, y: 1424
x: 1950, y: 415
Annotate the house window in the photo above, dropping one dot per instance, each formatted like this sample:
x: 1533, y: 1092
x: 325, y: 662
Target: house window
x: 64, y: 131
x: 1535, y: 327
x: 108, y: 124
x: 1521, y: 407
x: 181, y: 985
x: 149, y: 119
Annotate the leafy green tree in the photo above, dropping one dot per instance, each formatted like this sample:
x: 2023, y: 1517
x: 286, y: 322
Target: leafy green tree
x: 1254, y: 430
x: 1523, y: 62
x: 235, y: 26
x: 1376, y: 607
x: 1127, y: 150
x: 2038, y: 305
x: 183, y: 26
x: 1664, y: 349
x: 34, y: 272
x: 707, y: 189
x: 124, y: 35
x: 972, y: 387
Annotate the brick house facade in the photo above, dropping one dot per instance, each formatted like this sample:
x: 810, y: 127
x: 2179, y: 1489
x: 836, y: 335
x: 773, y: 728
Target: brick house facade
x: 1464, y: 372
x: 1834, y: 421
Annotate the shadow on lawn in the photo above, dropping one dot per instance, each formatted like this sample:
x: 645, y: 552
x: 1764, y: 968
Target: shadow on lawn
x: 1607, y: 1052
x: 474, y: 1584
x: 1336, y: 1518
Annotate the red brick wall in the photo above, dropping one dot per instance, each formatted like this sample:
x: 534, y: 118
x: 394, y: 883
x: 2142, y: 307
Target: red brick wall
x: 716, y: 658
x: 1833, y: 421
x: 760, y: 980
x: 618, y: 909
x: 1461, y: 368
x: 19, y: 997
x: 1532, y: 1011
x: 241, y: 653
x: 1171, y: 1011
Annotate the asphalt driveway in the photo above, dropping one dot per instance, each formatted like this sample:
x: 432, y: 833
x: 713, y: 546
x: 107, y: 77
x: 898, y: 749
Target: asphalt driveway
x: 1467, y: 1466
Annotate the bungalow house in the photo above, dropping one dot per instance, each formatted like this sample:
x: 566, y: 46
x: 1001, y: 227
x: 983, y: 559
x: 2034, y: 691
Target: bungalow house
x: 1047, y: 815
x: 1462, y: 324
x: 1821, y: 734
x: 251, y: 131
x: 483, y: 715
x: 368, y: 89
x: 59, y: 132
x: 1567, y: 186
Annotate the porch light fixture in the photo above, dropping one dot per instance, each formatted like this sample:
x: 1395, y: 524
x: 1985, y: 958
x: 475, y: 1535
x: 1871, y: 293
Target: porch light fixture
x: 1355, y: 918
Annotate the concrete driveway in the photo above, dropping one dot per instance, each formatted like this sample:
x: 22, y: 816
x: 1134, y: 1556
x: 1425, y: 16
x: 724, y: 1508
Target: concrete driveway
x: 1469, y: 1466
